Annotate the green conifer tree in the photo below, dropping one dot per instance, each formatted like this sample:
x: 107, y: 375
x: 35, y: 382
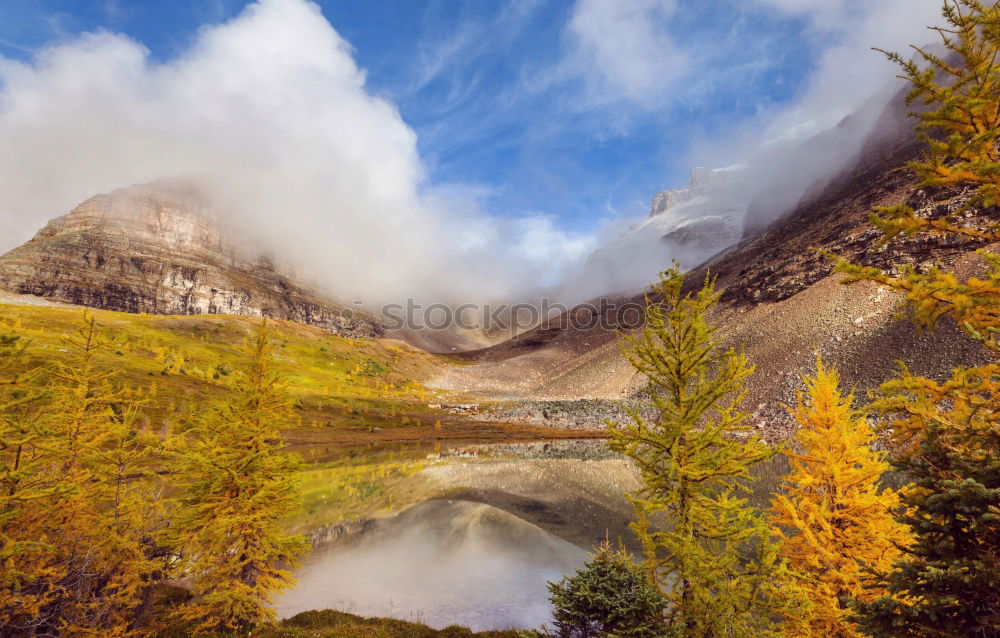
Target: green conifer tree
x: 240, y: 485
x: 715, y: 560
x: 609, y: 595
x: 946, y: 439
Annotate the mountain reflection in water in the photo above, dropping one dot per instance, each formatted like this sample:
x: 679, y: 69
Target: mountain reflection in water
x: 440, y: 563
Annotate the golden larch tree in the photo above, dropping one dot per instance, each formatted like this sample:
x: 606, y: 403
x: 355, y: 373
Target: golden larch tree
x: 835, y: 519
x: 708, y: 549
x: 240, y: 486
x: 944, y: 435
x: 26, y: 492
x: 102, y: 529
x: 75, y: 502
x: 960, y: 90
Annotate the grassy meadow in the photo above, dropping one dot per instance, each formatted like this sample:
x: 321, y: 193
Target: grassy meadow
x: 347, y: 392
x: 176, y: 362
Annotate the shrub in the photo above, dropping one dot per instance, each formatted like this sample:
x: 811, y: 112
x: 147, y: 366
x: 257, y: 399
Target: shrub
x: 610, y: 594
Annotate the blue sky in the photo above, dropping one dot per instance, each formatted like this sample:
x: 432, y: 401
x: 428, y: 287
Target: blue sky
x: 485, y: 147
x: 493, y: 93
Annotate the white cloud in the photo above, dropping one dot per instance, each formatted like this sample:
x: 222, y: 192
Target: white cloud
x: 538, y: 239
x: 848, y: 72
x: 623, y: 50
x: 629, y: 51
x: 822, y: 13
x: 272, y: 110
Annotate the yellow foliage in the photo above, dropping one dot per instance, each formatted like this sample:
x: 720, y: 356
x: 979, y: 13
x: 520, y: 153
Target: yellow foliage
x: 960, y: 129
x: 944, y: 434
x: 84, y: 521
x: 973, y: 304
x: 717, y: 563
x: 24, y: 488
x: 240, y: 484
x: 835, y: 520
x: 962, y: 410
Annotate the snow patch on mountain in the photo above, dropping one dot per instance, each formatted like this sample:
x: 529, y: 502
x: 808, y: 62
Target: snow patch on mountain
x: 685, y: 224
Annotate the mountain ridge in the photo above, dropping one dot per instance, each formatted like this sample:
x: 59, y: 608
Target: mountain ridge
x: 160, y: 248
x: 781, y: 303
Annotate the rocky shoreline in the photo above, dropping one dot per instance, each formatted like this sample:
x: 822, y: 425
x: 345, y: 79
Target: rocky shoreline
x: 592, y: 450
x: 770, y: 420
x: 575, y: 414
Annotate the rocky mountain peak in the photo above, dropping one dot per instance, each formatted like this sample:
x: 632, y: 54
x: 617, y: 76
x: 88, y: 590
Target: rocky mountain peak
x: 665, y: 200
x: 685, y: 224
x: 162, y: 248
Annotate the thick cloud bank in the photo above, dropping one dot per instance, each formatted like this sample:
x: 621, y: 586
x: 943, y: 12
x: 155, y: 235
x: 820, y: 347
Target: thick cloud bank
x: 272, y: 111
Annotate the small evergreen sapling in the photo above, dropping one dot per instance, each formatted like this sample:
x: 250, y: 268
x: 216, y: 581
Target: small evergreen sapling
x: 609, y: 595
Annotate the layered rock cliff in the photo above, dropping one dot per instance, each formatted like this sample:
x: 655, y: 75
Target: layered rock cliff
x: 160, y: 249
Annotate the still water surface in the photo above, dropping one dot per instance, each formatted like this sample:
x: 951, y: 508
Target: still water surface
x: 440, y: 563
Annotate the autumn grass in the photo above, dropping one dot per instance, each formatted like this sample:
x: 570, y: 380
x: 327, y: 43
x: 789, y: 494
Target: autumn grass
x: 335, y: 624
x: 177, y: 363
x: 347, y: 392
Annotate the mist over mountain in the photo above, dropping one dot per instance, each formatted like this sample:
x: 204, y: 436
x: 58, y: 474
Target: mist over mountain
x: 315, y: 168
x: 719, y: 206
x: 161, y: 248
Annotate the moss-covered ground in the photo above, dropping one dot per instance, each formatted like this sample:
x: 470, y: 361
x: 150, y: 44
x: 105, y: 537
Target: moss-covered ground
x: 336, y: 624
